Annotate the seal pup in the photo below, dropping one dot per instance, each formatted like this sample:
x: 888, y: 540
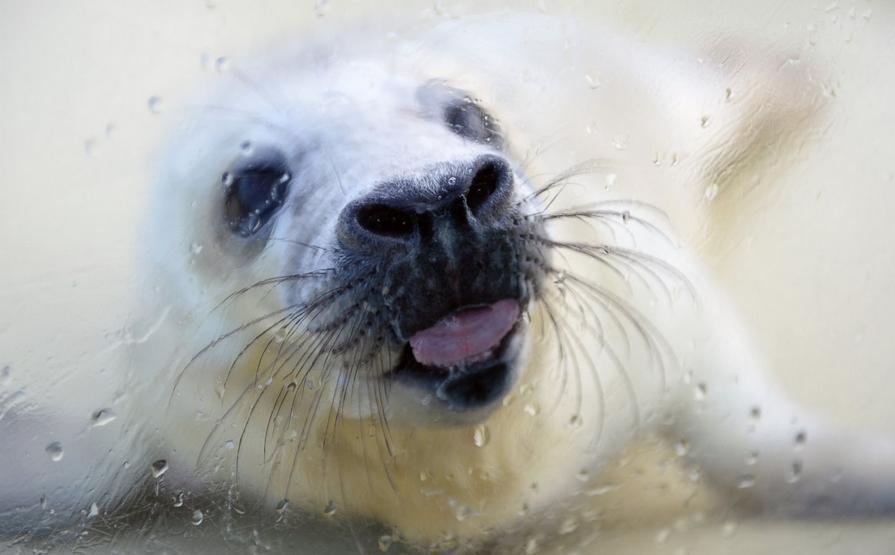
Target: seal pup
x: 431, y: 280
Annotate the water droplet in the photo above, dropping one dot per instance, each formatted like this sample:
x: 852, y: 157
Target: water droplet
x: 54, y: 450
x: 610, y: 181
x: 178, y: 499
x: 704, y: 121
x: 601, y: 490
x: 620, y: 142
x: 222, y: 64
x: 321, y: 8
x: 158, y: 468
x: 795, y: 472
x: 752, y: 459
x: 452, y: 180
x: 700, y: 391
x: 531, y: 409
x: 385, y: 542
x: 728, y: 94
x: 800, y: 439
x: 711, y: 192
x: 745, y: 481
x: 154, y: 104
x: 755, y: 412
x: 461, y: 510
x: 662, y: 535
x: 102, y: 417
x: 227, y: 179
x: 229, y: 445
x: 531, y: 546
x: 728, y: 528
x: 593, y: 81
x: 5, y: 375
x: 569, y: 525
x: 198, y: 517
x: 94, y: 511
x: 583, y: 475
x: 481, y: 436
x: 330, y: 508
x: 247, y: 148
x: 682, y: 447
x: 195, y: 249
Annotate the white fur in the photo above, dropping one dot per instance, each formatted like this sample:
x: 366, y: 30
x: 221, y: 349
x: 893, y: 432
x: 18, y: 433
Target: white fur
x: 692, y: 374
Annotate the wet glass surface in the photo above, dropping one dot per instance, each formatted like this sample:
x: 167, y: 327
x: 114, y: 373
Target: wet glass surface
x: 621, y: 283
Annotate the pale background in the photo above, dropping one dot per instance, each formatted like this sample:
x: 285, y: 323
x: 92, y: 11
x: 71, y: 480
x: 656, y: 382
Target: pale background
x: 812, y: 263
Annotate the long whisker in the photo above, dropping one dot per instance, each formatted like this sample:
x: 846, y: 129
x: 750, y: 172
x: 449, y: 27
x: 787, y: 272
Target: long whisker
x: 592, y: 166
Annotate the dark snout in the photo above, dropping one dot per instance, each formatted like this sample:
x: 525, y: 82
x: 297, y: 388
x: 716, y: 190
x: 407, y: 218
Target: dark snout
x: 410, y: 209
x: 442, y: 245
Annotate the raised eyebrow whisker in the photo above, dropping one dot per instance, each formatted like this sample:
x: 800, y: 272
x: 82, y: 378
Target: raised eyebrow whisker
x: 247, y: 114
x: 338, y: 175
x: 618, y: 204
x: 604, y: 216
x: 591, y: 166
x: 259, y: 91
x: 303, y: 244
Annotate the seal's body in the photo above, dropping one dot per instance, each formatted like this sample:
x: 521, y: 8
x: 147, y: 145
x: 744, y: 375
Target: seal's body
x: 443, y: 281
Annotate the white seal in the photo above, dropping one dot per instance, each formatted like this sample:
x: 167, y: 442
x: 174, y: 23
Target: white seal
x: 435, y: 280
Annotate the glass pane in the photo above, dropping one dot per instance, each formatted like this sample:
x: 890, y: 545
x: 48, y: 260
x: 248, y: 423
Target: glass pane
x: 526, y: 277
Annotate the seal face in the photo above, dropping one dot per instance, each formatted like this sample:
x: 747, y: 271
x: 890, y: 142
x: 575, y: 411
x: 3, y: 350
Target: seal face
x: 394, y: 224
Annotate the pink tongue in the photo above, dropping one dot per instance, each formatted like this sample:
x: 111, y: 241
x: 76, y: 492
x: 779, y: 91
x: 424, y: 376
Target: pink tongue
x: 465, y: 334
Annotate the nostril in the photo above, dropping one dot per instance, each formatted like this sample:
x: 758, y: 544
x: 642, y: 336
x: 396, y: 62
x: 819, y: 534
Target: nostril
x: 381, y: 219
x: 487, y: 180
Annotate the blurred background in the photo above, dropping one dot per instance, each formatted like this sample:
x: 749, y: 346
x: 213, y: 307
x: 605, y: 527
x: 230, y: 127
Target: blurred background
x: 87, y: 89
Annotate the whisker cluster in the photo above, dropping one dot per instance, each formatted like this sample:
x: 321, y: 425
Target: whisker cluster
x: 312, y: 358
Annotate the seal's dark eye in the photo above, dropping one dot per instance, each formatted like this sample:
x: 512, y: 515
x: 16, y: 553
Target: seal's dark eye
x: 467, y: 119
x: 255, y: 190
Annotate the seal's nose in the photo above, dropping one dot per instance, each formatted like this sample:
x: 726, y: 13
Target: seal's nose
x: 406, y: 209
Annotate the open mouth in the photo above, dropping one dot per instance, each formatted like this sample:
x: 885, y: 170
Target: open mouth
x: 466, y: 358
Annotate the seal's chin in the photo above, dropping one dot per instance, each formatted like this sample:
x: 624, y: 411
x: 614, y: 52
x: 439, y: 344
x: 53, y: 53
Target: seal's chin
x: 467, y: 362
